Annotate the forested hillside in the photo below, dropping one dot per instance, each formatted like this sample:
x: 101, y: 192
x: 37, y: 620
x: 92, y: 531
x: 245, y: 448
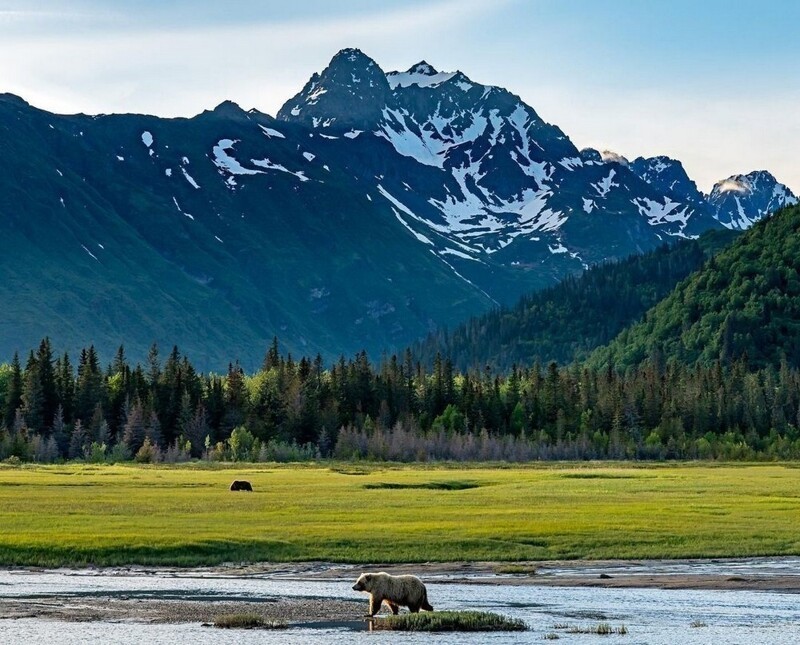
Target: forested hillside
x: 566, y: 322
x: 743, y: 305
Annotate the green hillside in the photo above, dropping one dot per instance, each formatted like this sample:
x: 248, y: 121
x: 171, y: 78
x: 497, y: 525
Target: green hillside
x: 743, y: 304
x: 567, y: 321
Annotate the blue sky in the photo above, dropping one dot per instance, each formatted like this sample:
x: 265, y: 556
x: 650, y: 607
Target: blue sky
x: 714, y: 83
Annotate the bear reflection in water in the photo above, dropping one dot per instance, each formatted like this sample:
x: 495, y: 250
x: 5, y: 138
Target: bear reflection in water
x: 395, y: 591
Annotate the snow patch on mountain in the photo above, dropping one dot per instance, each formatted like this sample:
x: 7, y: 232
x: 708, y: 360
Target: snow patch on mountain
x: 604, y: 186
x: 226, y: 162
x: 430, y: 141
x: 180, y: 210
x: 658, y: 213
x: 270, y: 132
x: 419, y: 236
x: 403, y: 208
x: 89, y: 252
x: 421, y: 75
x: 269, y: 165
x: 189, y: 178
x: 403, y: 79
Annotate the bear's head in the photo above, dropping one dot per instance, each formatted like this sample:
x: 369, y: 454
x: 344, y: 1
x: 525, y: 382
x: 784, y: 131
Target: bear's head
x: 363, y: 583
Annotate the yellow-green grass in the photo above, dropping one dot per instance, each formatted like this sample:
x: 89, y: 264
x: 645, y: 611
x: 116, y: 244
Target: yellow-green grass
x: 185, y: 515
x: 450, y: 621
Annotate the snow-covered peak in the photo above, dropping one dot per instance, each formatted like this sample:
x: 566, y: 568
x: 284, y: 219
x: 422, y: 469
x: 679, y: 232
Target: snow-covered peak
x: 668, y: 177
x: 741, y: 200
x: 423, y: 67
x: 659, y: 163
x: 746, y: 184
x: 422, y: 75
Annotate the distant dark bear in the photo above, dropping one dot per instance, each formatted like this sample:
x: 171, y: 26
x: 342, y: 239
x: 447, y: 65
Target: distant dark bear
x: 241, y: 485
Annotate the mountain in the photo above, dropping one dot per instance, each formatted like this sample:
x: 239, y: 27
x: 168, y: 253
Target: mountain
x: 374, y: 208
x: 480, y: 175
x: 215, y: 233
x: 669, y: 177
x: 743, y: 304
x: 736, y: 202
x: 566, y: 322
x: 741, y: 200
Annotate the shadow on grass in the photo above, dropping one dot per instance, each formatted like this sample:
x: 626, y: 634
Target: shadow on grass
x: 599, y: 476
x: 184, y: 555
x: 442, y: 485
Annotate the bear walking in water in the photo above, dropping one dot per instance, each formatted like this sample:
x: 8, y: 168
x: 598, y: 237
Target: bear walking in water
x: 241, y: 485
x: 395, y: 591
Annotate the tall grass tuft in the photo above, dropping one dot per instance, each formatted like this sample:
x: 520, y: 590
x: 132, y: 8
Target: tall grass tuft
x: 601, y: 629
x: 451, y: 621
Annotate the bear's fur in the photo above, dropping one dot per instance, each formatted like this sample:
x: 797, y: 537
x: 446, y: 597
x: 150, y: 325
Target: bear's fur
x: 241, y: 485
x: 395, y: 591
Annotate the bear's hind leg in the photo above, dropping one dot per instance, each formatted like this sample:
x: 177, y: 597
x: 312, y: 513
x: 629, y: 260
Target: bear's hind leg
x: 394, y: 607
x: 414, y: 609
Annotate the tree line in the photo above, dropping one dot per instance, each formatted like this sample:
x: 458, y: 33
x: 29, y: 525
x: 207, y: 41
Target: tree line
x: 396, y: 409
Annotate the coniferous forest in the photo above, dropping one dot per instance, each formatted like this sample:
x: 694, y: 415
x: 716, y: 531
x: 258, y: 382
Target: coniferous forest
x: 299, y: 409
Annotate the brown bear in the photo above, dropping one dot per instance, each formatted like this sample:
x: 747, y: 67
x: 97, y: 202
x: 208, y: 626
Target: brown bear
x: 241, y: 485
x: 408, y: 591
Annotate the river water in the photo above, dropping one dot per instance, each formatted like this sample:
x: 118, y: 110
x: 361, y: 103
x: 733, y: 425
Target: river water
x: 653, y: 616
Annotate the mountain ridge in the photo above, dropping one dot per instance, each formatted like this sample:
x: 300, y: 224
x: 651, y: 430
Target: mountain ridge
x: 387, y: 205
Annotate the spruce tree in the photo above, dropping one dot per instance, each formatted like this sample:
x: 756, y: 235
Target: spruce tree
x: 14, y: 393
x: 32, y: 395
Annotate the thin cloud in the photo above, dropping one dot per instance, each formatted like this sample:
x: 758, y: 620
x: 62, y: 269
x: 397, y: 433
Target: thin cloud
x: 174, y: 70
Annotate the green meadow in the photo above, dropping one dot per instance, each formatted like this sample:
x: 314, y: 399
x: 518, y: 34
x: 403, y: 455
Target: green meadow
x: 186, y: 516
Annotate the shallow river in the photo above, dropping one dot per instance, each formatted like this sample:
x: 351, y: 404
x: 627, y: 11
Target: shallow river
x: 650, y: 615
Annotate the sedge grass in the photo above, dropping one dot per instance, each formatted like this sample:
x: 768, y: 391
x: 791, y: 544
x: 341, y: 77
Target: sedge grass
x: 450, y: 621
x: 185, y: 516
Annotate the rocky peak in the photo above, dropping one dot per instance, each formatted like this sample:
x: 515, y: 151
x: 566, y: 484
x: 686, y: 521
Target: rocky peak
x: 667, y: 176
x: 229, y: 110
x: 424, y: 68
x: 350, y: 92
